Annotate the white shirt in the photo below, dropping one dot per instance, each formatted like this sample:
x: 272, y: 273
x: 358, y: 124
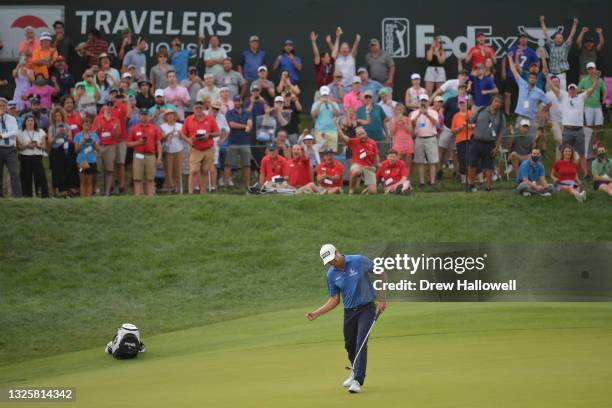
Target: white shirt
x: 8, y: 131
x: 555, y: 109
x: 173, y: 144
x: 572, y: 109
x: 25, y: 137
x: 389, y: 108
x: 450, y: 85
x: 346, y: 65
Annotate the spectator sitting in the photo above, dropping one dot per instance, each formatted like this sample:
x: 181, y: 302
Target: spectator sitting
x: 394, y: 174
x: 601, y: 168
x: 311, y: 150
x: 283, y: 145
x: 531, y: 178
x: 564, y: 174
x: 329, y: 173
x: 272, y: 165
x: 299, y: 170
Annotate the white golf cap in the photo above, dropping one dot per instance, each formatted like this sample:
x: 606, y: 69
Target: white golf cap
x: 159, y: 92
x: 423, y: 97
x: 572, y: 86
x: 279, y: 99
x: 46, y: 36
x: 591, y: 65
x: 356, y: 80
x: 415, y: 76
x: 328, y: 253
x: 324, y: 90
x: 525, y: 122
x: 262, y: 68
x: 438, y: 99
x: 309, y: 137
x: 126, y: 75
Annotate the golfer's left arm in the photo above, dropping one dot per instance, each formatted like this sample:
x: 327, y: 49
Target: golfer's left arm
x: 330, y: 305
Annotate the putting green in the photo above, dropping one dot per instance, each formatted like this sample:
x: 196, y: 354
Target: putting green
x: 421, y: 355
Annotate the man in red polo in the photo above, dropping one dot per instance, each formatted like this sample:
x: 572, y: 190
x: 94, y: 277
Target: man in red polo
x: 394, y: 174
x: 364, y: 161
x: 108, y: 129
x: 330, y: 173
x: 298, y: 168
x: 272, y: 165
x: 199, y: 130
x: 122, y: 112
x: 73, y: 118
x: 145, y: 138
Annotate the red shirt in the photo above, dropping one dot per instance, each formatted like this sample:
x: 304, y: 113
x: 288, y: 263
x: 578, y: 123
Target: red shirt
x: 566, y: 171
x: 364, y: 153
x: 271, y: 168
x: 392, y: 174
x: 324, y: 74
x: 75, y: 121
x: 105, y: 128
x: 299, y: 171
x: 331, y: 170
x: 479, y: 56
x: 194, y: 128
x: 148, y: 131
x: 120, y: 111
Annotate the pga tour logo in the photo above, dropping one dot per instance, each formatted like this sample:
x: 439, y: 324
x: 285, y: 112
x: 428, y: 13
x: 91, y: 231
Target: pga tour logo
x: 396, y: 38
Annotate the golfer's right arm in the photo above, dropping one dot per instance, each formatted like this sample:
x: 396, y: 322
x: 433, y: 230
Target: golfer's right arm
x: 331, y: 303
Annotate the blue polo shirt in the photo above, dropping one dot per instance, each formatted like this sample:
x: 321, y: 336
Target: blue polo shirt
x: 479, y: 85
x: 238, y: 136
x: 180, y: 62
x: 529, y: 100
x: 250, y: 62
x: 352, y: 282
x: 533, y: 171
x: 287, y: 65
x: 528, y: 57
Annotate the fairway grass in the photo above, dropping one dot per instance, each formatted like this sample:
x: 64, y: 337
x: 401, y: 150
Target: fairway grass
x: 421, y: 354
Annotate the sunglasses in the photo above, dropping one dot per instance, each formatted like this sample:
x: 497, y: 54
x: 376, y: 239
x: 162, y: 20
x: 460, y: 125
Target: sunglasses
x: 367, y: 96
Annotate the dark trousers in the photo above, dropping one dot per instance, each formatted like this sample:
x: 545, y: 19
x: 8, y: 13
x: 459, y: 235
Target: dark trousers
x: 32, y: 169
x: 8, y: 158
x: 357, y: 322
x: 462, y: 153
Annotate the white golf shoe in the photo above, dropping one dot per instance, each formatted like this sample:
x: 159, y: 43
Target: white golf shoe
x: 349, y: 381
x: 355, y: 387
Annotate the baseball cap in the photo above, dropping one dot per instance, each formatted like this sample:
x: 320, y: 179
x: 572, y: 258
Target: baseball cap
x: 103, y: 55
x: 309, y: 137
x: 521, y: 35
x: 384, y: 91
x: 464, y: 72
x: 143, y: 111
x: 328, y: 150
x: 45, y: 36
x: 262, y: 68
x: 361, y: 70
x: 438, y: 99
x: 132, y: 66
x: 327, y: 253
x: 356, y: 80
x: 253, y: 38
x: 324, y: 90
x: 34, y: 99
x: 524, y: 122
x: 288, y: 42
x: 591, y: 65
x: 373, y: 41
x: 534, y: 64
x: 338, y: 74
x: 415, y: 76
x: 271, y: 146
x: 216, y: 104
x: 423, y: 97
x: 4, y: 100
x: 159, y: 92
x: 255, y: 86
x: 279, y: 99
x: 60, y: 58
x: 126, y: 75
x: 572, y: 86
x: 236, y: 98
x: 368, y: 93
x: 462, y: 99
x: 480, y: 34
x: 144, y: 81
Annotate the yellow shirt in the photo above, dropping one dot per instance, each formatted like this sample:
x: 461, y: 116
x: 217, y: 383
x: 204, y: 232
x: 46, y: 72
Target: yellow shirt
x: 39, y: 54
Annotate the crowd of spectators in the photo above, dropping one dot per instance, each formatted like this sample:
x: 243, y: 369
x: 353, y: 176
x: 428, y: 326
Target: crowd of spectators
x: 239, y: 119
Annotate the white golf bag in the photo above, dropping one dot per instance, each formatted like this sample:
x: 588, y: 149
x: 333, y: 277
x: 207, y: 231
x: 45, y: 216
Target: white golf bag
x: 126, y: 343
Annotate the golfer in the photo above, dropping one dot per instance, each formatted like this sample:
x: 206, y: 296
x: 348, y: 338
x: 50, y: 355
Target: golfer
x: 348, y: 275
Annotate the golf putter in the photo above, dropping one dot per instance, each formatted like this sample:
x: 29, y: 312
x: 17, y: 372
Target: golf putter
x: 364, y: 341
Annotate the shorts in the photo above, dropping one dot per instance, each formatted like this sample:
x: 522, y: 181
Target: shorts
x: 426, y: 148
x: 106, y: 157
x: 369, y: 174
x: 121, y: 152
x: 574, y: 138
x: 435, y: 74
x: 599, y: 183
x: 201, y: 160
x: 92, y: 170
x: 510, y: 87
x: 235, y: 152
x: 566, y: 183
x: 480, y: 154
x: 330, y: 140
x: 143, y: 169
x: 593, y: 116
x: 446, y: 140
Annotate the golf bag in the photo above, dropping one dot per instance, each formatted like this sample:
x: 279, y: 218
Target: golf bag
x: 126, y: 343
x: 278, y: 185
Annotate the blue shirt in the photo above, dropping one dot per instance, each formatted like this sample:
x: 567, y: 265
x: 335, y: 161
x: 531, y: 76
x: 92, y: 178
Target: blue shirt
x: 325, y: 119
x: 352, y: 282
x: 529, y: 170
x: 287, y: 65
x: 238, y: 136
x: 373, y: 86
x: 540, y: 82
x: 82, y: 156
x: 180, y: 61
x: 528, y: 57
x: 479, y: 85
x: 258, y: 109
x: 250, y: 62
x: 529, y: 100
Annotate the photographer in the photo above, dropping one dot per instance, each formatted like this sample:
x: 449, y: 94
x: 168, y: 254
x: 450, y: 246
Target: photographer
x: 325, y: 112
x: 424, y: 122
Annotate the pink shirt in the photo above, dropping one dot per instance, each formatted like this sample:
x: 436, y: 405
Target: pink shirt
x: 351, y: 99
x: 177, y: 96
x: 22, y: 46
x: 424, y: 127
x: 44, y: 92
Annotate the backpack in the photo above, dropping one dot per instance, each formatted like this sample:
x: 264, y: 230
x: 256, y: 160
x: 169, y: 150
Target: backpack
x: 126, y: 343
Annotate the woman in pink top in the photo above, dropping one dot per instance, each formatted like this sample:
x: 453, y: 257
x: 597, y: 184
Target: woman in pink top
x: 43, y: 90
x: 401, y: 130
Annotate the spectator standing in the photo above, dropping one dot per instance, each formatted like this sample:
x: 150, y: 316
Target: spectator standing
x: 251, y: 59
x: 337, y: 91
x: 159, y: 72
x: 424, y: 122
x: 292, y: 107
x: 179, y: 57
x: 157, y: 110
x: 522, y: 144
x: 198, y: 131
x: 42, y: 90
x: 61, y: 157
x: 483, y: 86
x: 435, y: 74
x: 414, y: 92
x: 145, y: 138
x: 288, y: 61
x: 330, y: 173
x: 265, y: 85
x: 559, y: 51
x: 145, y: 97
x: 373, y: 119
x: 137, y: 58
x: 31, y: 147
x: 531, y: 178
x: 323, y: 64
x: 73, y: 118
x: 8, y: 150
x: 525, y: 57
x: 368, y: 84
x: 231, y: 79
x: 62, y: 43
x: 593, y: 113
x: 479, y: 53
x: 214, y: 57
x: 28, y: 45
x: 345, y: 61
x: 113, y: 75
x: 354, y: 98
x: 555, y: 118
x: 23, y: 77
x: 59, y: 74
x: 176, y: 95
x: 400, y: 128
x: 239, y: 151
x: 44, y: 57
x: 209, y: 89
x: 565, y: 175
x: 386, y: 101
x: 380, y: 64
x: 108, y: 128
x: 193, y: 84
x: 42, y: 120
x: 173, y: 150
x: 325, y: 113
x: 462, y: 128
x: 588, y: 50
x: 93, y: 47
x: 105, y: 87
x: 122, y: 111
x: 86, y: 144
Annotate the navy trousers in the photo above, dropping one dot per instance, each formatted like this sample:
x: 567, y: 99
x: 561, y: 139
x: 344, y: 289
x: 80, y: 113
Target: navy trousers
x: 357, y: 322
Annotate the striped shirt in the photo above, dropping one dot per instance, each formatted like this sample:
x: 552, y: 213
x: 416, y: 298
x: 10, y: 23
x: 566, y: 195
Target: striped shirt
x: 558, y: 57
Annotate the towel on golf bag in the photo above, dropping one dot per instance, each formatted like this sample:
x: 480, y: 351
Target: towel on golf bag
x: 278, y: 185
x: 126, y: 343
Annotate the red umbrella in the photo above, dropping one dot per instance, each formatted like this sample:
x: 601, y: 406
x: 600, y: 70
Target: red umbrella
x: 24, y: 21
